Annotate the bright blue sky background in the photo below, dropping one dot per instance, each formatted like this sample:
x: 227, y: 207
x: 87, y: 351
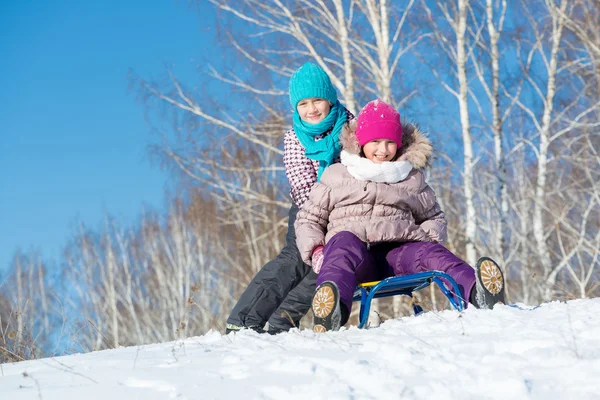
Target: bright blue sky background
x: 73, y: 139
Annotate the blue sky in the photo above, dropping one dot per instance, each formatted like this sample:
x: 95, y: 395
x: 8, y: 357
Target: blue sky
x: 73, y: 139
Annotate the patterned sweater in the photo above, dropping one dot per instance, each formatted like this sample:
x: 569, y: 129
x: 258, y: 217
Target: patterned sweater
x: 301, y: 171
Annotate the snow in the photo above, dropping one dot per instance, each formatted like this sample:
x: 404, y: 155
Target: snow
x: 550, y: 352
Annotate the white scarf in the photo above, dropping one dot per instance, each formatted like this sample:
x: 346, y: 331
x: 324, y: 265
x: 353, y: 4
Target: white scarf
x: 364, y: 169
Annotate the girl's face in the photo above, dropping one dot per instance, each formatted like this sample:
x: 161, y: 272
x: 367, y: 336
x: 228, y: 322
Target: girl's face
x: 313, y: 110
x: 380, y: 150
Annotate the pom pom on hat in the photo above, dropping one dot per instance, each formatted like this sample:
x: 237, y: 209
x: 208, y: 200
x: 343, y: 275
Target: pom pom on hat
x: 378, y: 120
x: 311, y: 81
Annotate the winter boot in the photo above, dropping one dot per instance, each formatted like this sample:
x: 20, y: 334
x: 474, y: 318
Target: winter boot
x: 236, y: 328
x: 327, y: 314
x: 232, y: 328
x: 489, y: 288
x: 276, y: 330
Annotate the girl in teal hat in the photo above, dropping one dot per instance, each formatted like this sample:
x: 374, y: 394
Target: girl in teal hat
x: 317, y: 111
x: 281, y: 292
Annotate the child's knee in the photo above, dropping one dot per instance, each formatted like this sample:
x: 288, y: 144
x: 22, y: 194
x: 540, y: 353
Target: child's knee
x: 436, y: 248
x: 437, y: 254
x: 347, y: 238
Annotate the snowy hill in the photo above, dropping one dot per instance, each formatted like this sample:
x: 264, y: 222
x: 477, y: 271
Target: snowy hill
x: 551, y: 352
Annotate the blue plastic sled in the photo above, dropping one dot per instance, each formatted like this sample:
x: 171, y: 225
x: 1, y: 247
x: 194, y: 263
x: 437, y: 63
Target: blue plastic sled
x: 404, y: 285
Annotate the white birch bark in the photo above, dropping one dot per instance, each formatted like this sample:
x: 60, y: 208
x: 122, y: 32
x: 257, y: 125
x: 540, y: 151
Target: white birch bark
x: 111, y: 298
x: 378, y: 17
x: 41, y: 274
x: 542, y: 163
x: 128, y: 294
x: 463, y: 101
x: 20, y: 303
x: 497, y: 126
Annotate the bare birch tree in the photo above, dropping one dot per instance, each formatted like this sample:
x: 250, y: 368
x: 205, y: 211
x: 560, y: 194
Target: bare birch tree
x: 493, y: 93
x: 163, y: 280
x: 26, y: 314
x: 458, y: 52
x: 544, y: 130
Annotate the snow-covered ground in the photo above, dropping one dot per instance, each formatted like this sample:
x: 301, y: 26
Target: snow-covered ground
x: 551, y: 352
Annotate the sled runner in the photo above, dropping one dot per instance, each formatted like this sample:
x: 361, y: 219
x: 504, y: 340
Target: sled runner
x: 404, y: 285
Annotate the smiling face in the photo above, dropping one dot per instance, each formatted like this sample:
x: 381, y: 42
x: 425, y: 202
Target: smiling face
x: 313, y: 110
x: 380, y: 150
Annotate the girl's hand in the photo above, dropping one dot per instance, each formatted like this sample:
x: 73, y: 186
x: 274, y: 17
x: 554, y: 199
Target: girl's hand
x: 317, y: 259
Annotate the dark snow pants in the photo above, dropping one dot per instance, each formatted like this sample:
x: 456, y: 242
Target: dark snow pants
x: 348, y: 261
x: 280, y: 291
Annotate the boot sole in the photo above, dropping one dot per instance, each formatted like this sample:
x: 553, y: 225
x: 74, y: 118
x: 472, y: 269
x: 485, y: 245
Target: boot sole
x: 324, y: 303
x: 491, y: 278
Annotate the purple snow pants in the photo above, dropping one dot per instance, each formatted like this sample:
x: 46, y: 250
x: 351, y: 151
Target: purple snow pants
x: 348, y: 262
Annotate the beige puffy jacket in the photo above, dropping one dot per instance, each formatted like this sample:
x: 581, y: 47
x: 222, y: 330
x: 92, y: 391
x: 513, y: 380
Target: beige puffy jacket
x: 375, y: 212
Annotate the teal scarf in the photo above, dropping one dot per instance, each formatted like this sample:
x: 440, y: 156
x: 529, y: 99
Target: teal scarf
x: 327, y: 149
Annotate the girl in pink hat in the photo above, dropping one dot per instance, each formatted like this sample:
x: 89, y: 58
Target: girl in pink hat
x: 373, y: 216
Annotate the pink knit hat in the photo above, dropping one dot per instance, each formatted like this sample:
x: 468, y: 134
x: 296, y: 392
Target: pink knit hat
x: 378, y: 120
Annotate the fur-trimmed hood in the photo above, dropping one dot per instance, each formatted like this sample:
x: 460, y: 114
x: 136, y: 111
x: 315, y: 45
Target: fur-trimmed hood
x: 415, y: 148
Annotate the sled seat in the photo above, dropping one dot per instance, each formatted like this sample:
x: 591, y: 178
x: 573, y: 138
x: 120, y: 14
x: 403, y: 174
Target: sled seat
x: 404, y: 285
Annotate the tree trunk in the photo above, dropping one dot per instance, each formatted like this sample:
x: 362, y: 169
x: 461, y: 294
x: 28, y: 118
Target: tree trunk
x: 542, y: 170
x: 461, y: 61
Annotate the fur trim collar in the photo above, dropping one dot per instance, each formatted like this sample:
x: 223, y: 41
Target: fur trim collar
x: 415, y: 148
x: 364, y: 169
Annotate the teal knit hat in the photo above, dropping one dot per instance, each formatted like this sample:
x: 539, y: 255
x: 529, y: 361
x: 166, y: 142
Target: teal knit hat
x: 311, y: 81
